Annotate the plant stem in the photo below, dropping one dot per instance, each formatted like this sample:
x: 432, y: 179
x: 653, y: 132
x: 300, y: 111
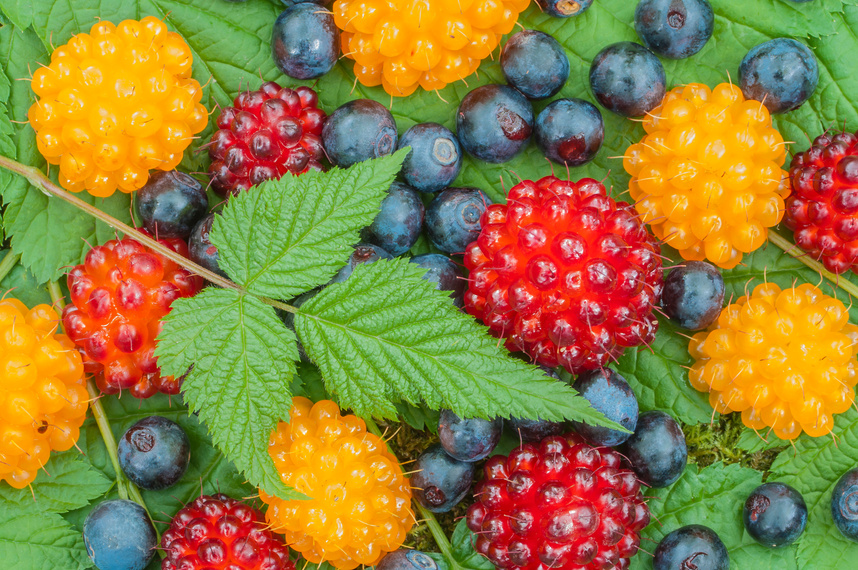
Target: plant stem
x: 793, y: 251
x: 7, y: 263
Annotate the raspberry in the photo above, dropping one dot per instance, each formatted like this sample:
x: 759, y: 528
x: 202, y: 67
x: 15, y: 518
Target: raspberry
x: 216, y: 532
x: 561, y: 504
x: 360, y: 503
x: 707, y: 176
x: 114, y: 104
x: 785, y: 359
x: 823, y: 207
x: 118, y: 296
x: 266, y: 134
x: 43, y: 396
x: 565, y: 273
x: 401, y: 44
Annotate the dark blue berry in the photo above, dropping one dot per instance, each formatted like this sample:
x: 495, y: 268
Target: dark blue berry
x: 170, y: 204
x: 305, y: 41
x: 693, y: 295
x: 570, y: 131
x: 675, y: 29
x: 534, y: 63
x: 627, y: 79
x: 494, y: 123
x: 536, y: 430
x: 363, y: 253
x: 781, y: 73
x: 154, y: 453
x: 440, y: 481
x: 435, y: 158
x: 564, y: 8
x: 775, y: 515
x: 446, y: 275
x: 406, y: 560
x: 119, y: 536
x: 453, y: 218
x: 844, y: 505
x: 397, y: 225
x: 692, y: 547
x: 468, y: 439
x: 657, y: 450
x: 358, y: 131
x: 202, y: 250
x: 609, y: 393
x: 293, y: 2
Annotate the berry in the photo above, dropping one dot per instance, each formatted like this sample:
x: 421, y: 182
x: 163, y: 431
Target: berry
x: 534, y: 430
x: 570, y: 131
x: 359, y: 130
x: 407, y: 560
x: 674, y: 29
x: 446, y: 275
x: 170, y: 204
x: 494, y: 123
x: 468, y: 439
x: 115, y: 103
x: 42, y: 390
x: 363, y: 253
x: 823, y: 207
x: 435, y: 157
x: 534, y: 63
x: 441, y: 482
x: 559, y: 504
x: 360, y: 503
x: 201, y: 250
x: 305, y: 41
x: 154, y: 453
x: 118, y: 297
x: 657, y: 451
x: 565, y: 274
x: 693, y: 546
x: 775, y: 515
x: 264, y: 135
x: 784, y: 358
x: 693, y: 295
x: 119, y: 535
x: 707, y: 176
x: 627, y: 79
x: 844, y: 505
x: 564, y: 8
x: 780, y: 73
x: 397, y: 225
x: 453, y: 218
x: 609, y: 393
x: 219, y: 533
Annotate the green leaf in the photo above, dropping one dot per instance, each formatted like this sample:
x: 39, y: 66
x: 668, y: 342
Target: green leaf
x: 39, y: 541
x: 22, y: 285
x: 464, y: 554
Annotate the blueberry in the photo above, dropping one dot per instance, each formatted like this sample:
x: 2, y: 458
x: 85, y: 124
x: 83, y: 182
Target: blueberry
x: 446, y: 275
x: 844, y: 505
x: 170, y: 204
x: 534, y: 63
x: 695, y: 547
x: 775, y: 515
x: 363, y: 253
x: 570, y: 131
x: 693, y: 295
x: 609, y: 393
x: 468, y: 439
x: 781, y: 73
x: 154, y: 453
x: 675, y: 29
x: 119, y: 536
x: 202, y: 250
x: 358, y: 131
x: 627, y: 79
x: 435, y: 158
x: 441, y: 482
x: 293, y: 2
x: 397, y: 225
x: 657, y: 450
x: 494, y: 123
x: 453, y: 218
x: 564, y: 8
x: 305, y: 41
x: 406, y: 560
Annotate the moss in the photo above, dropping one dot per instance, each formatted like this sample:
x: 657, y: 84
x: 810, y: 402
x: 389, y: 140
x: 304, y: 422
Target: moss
x: 718, y: 441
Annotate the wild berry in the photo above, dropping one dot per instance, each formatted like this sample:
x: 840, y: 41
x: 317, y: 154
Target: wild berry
x: 170, y: 204
x: 775, y: 515
x: 435, y: 158
x: 119, y: 535
x: 468, y: 439
x: 657, y: 450
x: 453, y: 218
x: 359, y: 130
x: 494, y: 123
x: 693, y: 295
x: 564, y: 8
x: 692, y: 546
x: 200, y: 248
x: 609, y: 393
x: 781, y: 74
x: 844, y: 505
x: 446, y: 275
x: 154, y: 453
x: 675, y: 29
x: 363, y: 253
x: 398, y: 224
x: 407, y: 559
x: 305, y: 41
x: 570, y: 131
x: 441, y: 482
x: 534, y: 63
x: 628, y: 79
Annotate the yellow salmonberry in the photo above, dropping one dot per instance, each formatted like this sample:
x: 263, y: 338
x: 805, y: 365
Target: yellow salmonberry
x: 707, y: 176
x: 785, y: 359
x: 360, y: 502
x: 111, y: 103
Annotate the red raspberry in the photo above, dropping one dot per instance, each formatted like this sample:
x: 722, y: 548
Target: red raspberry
x: 216, y: 532
x: 561, y: 505
x: 265, y: 135
x: 565, y: 273
x: 823, y: 207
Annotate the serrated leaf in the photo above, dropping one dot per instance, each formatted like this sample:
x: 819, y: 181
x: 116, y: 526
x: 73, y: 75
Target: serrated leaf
x: 39, y: 541
x: 464, y: 554
x: 419, y: 417
x: 21, y: 284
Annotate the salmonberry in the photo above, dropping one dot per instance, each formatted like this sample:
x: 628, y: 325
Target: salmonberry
x: 783, y: 358
x: 565, y: 273
x: 43, y: 395
x: 264, y: 135
x: 118, y: 297
x: 115, y: 103
x: 823, y: 207
x: 707, y: 176
x: 360, y: 503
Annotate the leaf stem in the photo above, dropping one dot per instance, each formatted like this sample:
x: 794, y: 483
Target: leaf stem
x: 7, y: 263
x: 795, y: 252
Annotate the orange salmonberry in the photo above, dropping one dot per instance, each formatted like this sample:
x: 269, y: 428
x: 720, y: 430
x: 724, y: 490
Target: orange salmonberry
x: 115, y: 103
x: 707, y: 176
x: 360, y: 502
x: 784, y: 358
